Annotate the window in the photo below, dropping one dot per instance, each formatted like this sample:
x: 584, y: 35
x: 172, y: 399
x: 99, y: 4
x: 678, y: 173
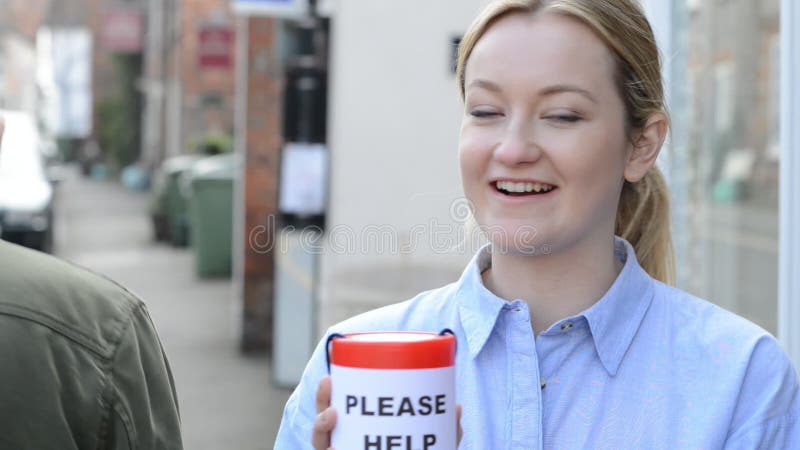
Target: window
x: 724, y: 157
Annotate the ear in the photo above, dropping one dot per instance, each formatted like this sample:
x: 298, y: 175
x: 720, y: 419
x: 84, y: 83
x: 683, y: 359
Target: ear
x: 645, y: 148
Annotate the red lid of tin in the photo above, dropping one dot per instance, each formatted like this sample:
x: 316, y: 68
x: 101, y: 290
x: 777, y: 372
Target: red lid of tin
x: 394, y: 350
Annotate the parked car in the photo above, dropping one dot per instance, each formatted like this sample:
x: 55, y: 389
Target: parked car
x: 26, y: 194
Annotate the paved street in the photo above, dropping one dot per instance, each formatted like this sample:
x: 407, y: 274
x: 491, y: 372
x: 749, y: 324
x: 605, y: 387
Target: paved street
x: 226, y: 399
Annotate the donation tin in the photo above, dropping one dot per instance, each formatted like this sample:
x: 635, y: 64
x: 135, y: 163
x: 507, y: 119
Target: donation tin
x: 393, y: 391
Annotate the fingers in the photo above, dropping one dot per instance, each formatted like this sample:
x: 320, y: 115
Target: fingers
x: 321, y: 436
x: 324, y: 393
x: 326, y: 417
x: 458, y: 423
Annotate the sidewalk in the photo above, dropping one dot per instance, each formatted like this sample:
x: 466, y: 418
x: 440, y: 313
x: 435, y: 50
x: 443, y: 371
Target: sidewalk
x: 226, y: 399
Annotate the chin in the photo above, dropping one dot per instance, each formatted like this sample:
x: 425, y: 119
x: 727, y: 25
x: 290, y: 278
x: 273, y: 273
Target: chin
x: 516, y: 238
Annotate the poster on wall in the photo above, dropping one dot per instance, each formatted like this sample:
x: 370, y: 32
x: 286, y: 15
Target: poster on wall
x: 215, y: 47
x: 303, y: 182
x: 271, y: 8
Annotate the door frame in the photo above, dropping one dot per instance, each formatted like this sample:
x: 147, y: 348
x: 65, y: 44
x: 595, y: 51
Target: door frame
x: 789, y: 231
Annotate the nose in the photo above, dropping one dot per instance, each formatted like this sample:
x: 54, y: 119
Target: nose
x: 517, y: 146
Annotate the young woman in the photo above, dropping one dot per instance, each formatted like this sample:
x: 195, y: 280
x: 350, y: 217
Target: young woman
x: 569, y: 336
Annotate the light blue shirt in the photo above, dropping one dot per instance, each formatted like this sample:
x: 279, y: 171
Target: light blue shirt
x: 646, y: 367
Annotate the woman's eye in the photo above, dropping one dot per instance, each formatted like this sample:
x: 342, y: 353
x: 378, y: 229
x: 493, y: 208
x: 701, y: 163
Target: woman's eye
x: 483, y: 114
x: 565, y: 118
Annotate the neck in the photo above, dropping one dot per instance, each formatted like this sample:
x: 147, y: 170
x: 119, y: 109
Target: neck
x: 558, y: 285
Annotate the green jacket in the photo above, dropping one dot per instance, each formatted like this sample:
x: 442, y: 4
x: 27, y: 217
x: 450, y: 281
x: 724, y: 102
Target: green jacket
x: 81, y: 365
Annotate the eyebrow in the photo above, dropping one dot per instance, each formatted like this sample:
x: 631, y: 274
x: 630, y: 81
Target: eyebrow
x: 549, y: 90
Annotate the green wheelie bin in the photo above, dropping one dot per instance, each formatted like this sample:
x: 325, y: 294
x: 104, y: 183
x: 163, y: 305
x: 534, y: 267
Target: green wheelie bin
x: 211, y: 214
x: 168, y: 209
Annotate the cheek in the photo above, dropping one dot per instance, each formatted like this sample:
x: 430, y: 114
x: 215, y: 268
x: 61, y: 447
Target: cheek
x: 472, y: 155
x: 464, y: 161
x: 593, y: 155
x: 593, y: 164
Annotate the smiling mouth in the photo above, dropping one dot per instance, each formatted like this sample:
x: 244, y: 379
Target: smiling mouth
x: 518, y: 189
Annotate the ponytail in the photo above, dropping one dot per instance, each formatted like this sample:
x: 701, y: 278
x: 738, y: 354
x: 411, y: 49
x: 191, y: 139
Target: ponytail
x: 643, y: 220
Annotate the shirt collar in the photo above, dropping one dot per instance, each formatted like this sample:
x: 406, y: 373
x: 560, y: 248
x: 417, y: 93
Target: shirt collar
x: 613, y: 320
x: 478, y: 307
x: 617, y: 316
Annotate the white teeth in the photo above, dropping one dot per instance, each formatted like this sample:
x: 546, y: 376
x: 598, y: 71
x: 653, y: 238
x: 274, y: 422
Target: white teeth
x: 510, y: 186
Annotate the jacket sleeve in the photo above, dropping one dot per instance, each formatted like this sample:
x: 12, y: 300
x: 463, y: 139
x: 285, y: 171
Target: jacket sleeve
x: 767, y: 415
x: 143, y: 403
x: 301, y: 408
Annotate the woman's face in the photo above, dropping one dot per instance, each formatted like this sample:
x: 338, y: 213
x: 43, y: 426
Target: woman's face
x: 543, y: 144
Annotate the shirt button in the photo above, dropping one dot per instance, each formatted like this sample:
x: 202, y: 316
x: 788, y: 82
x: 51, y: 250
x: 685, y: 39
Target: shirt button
x: 517, y: 309
x: 566, y: 326
x: 544, y: 383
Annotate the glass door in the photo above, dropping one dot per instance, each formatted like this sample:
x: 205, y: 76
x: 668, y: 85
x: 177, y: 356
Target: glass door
x: 723, y: 161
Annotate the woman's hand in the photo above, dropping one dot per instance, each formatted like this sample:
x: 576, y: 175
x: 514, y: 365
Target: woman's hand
x: 458, y: 425
x: 326, y: 417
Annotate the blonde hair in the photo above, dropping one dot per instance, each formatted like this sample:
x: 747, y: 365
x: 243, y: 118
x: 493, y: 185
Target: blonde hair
x: 643, y: 211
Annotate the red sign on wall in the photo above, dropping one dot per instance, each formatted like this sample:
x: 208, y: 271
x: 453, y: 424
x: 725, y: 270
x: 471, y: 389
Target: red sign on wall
x: 122, y: 31
x: 215, y: 47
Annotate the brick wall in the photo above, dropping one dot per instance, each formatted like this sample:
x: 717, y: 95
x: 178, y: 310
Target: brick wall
x: 263, y: 137
x: 201, y: 85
